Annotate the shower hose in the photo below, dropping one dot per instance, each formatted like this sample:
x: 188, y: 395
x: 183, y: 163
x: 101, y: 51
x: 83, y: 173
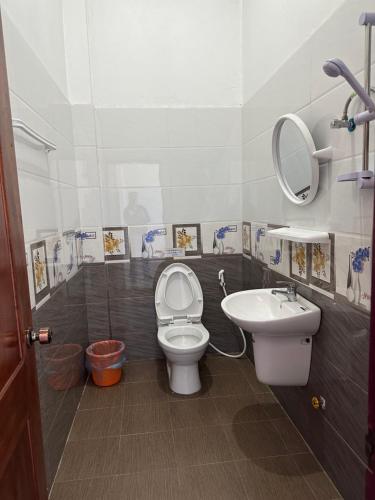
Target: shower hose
x: 222, y: 284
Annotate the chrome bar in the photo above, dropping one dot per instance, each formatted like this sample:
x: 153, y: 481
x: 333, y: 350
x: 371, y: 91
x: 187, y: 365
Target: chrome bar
x: 367, y: 85
x: 20, y: 125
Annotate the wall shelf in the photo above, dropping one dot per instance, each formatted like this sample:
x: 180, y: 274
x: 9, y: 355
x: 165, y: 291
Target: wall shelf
x: 299, y: 235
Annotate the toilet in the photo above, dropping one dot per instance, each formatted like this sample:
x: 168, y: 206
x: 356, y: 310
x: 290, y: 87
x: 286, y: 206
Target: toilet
x: 181, y: 335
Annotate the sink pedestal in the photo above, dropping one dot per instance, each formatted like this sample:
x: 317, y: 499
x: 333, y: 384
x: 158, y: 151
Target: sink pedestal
x: 282, y: 360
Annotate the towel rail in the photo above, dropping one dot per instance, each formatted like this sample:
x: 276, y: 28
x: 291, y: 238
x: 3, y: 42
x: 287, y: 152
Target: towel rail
x: 21, y: 125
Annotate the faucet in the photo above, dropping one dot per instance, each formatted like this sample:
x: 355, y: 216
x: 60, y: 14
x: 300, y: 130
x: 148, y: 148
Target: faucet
x: 290, y: 292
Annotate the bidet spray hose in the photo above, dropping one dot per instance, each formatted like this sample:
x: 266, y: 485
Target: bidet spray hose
x: 222, y: 284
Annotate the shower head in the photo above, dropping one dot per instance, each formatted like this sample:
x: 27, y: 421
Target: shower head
x: 336, y: 67
x: 331, y: 68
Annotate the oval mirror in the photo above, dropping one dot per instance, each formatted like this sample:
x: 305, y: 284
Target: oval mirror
x: 295, y: 159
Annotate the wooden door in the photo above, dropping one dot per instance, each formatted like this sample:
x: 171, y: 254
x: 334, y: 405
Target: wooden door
x: 370, y: 439
x: 22, y: 475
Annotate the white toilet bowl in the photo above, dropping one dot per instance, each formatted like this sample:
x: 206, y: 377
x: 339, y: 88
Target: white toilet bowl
x: 181, y: 335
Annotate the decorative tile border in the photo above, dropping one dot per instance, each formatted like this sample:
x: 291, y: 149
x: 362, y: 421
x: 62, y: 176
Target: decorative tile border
x: 150, y: 242
x: 340, y: 269
x: 259, y: 242
x: 246, y: 238
x: 55, y: 260
x: 353, y: 269
x: 188, y: 238
x: 30, y: 278
x: 116, y: 243
x: 39, y: 270
x: 323, y: 264
x: 222, y: 238
x: 70, y: 253
x: 299, y: 261
x: 79, y: 248
x: 278, y: 252
x: 92, y: 245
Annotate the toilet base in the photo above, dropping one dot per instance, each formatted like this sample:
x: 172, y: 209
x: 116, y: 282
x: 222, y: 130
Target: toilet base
x: 184, y: 379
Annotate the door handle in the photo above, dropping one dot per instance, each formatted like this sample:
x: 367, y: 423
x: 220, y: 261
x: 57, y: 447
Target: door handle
x: 43, y: 336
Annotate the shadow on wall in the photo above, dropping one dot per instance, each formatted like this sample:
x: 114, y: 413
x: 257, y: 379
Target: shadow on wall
x: 135, y: 213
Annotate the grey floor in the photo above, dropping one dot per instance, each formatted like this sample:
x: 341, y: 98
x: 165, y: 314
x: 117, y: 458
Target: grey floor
x: 137, y: 440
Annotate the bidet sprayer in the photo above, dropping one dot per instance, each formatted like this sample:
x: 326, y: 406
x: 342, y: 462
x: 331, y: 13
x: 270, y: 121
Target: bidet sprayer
x: 221, y: 278
x: 336, y: 67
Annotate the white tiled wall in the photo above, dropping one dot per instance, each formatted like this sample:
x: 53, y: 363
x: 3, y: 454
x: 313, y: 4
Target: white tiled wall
x: 141, y: 162
x: 158, y: 53
x: 37, y: 81
x: 155, y: 166
x: 300, y: 86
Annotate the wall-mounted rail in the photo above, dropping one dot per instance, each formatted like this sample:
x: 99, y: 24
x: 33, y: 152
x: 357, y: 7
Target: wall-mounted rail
x: 20, y: 125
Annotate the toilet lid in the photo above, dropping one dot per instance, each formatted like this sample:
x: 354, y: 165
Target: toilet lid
x: 178, y: 294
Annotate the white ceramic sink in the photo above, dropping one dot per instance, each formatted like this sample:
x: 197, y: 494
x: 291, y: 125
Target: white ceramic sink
x: 259, y: 311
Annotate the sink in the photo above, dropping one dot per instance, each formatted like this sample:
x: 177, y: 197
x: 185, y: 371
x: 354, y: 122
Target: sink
x: 281, y: 332
x: 261, y: 312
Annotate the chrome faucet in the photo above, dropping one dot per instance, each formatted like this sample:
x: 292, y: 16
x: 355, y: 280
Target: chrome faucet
x: 290, y: 292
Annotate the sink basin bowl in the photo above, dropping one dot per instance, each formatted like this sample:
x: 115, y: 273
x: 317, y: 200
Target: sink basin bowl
x: 261, y: 312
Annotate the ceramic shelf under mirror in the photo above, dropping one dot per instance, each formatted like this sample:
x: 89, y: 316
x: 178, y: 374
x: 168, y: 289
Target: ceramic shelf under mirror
x: 299, y: 235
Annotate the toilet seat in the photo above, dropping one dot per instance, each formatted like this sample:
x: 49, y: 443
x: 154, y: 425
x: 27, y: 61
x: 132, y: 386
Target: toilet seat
x: 178, y: 296
x: 181, y: 338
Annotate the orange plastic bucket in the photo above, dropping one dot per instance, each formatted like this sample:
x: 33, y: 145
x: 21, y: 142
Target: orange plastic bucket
x: 106, y: 377
x: 106, y: 359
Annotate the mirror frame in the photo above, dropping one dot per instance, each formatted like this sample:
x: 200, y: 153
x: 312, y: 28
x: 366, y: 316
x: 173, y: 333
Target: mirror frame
x: 314, y: 163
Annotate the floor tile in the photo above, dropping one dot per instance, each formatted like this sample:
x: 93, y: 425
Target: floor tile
x: 217, y: 365
x: 239, y: 408
x: 270, y: 405
x: 145, y: 392
x: 290, y: 436
x: 101, y: 397
x: 254, y: 439
x: 103, y: 422
x: 273, y: 478
x: 193, y: 413
x: 81, y: 489
x: 228, y: 384
x: 89, y: 458
x: 201, y: 445
x: 142, y: 452
x: 316, y: 478
x: 144, y: 371
x: 248, y: 370
x: 151, y: 417
x: 219, y: 481
x: 231, y: 440
x: 150, y: 485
